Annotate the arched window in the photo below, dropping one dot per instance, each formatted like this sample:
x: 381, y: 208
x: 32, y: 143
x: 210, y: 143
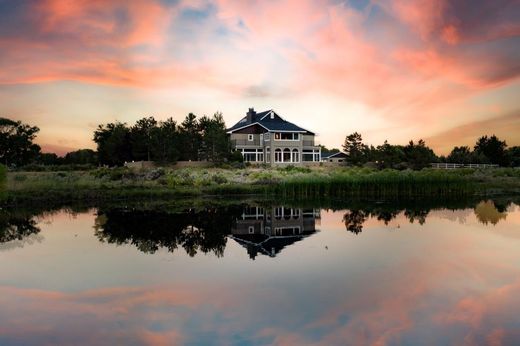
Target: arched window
x: 287, y: 155
x: 295, y: 155
x: 278, y: 155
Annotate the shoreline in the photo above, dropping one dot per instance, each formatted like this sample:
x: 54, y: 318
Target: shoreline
x: 292, y: 183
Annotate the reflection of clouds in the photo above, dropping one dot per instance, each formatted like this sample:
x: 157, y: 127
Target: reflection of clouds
x: 480, y: 312
x: 20, y: 243
x: 408, y: 287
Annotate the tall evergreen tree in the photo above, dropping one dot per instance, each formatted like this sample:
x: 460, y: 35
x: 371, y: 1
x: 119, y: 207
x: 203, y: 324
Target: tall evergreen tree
x: 354, y: 148
x: 190, y: 138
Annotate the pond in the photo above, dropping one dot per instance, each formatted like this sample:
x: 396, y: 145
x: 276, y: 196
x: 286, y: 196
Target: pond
x: 255, y: 273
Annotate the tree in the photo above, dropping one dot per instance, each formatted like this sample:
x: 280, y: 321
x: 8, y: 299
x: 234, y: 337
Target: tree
x: 513, y: 156
x: 215, y: 144
x: 419, y: 155
x: 388, y: 155
x: 190, y: 138
x: 16, y: 142
x: 354, y: 148
x: 460, y: 155
x: 165, y: 142
x: 113, y: 144
x: 141, y: 138
x: 81, y: 157
x: 49, y: 159
x: 493, y: 148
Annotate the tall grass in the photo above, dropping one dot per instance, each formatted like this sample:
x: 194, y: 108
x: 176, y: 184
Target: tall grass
x: 379, y: 184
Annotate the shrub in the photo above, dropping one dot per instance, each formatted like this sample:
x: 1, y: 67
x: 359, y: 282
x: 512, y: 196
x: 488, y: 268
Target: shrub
x: 219, y: 179
x: 3, y: 175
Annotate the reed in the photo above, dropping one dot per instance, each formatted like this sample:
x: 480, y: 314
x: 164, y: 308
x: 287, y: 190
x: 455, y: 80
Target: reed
x: 377, y: 184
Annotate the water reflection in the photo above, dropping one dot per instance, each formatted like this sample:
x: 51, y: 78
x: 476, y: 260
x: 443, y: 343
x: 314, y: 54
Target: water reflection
x: 258, y: 227
x: 17, y: 229
x: 268, y: 230
x: 203, y: 230
x: 455, y: 281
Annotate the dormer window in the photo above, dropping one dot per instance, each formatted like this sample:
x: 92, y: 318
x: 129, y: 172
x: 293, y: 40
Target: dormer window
x: 272, y: 115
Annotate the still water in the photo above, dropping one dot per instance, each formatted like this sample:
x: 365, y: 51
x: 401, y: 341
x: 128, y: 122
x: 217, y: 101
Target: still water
x: 255, y: 274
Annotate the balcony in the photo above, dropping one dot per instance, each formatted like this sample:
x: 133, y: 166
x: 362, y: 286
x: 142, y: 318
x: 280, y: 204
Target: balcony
x: 246, y: 143
x: 309, y: 144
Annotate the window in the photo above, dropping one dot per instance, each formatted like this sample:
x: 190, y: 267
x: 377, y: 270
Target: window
x: 251, y: 229
x: 311, y: 155
x: 253, y: 155
x: 250, y: 138
x: 267, y: 137
x: 295, y: 155
x: 286, y: 136
x: 272, y: 115
x: 287, y: 155
x: 278, y: 155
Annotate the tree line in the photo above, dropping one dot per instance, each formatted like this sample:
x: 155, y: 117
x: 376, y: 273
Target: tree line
x: 417, y: 155
x: 205, y: 138
x: 195, y: 139
x: 163, y: 141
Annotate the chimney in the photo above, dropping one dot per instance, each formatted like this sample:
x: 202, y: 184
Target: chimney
x: 250, y: 114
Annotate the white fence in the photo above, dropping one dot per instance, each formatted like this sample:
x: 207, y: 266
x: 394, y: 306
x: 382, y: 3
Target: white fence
x: 462, y: 165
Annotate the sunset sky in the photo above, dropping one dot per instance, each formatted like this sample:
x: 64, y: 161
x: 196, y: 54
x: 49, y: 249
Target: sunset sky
x: 444, y: 71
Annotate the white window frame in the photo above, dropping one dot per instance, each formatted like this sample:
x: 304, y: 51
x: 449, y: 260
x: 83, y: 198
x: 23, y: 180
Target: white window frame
x: 250, y: 137
x: 295, y: 136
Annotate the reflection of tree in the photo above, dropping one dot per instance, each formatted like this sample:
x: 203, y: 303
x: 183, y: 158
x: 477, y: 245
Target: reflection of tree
x: 385, y: 215
x: 416, y: 214
x: 204, y: 230
x: 15, y: 226
x: 354, y: 220
x: 487, y: 212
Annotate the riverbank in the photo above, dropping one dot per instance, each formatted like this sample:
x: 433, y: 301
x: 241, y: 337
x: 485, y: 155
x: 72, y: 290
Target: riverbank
x: 290, y: 182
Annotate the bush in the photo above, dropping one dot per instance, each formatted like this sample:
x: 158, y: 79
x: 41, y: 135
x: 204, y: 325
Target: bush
x: 113, y: 174
x: 296, y: 169
x: 219, y: 179
x: 3, y: 175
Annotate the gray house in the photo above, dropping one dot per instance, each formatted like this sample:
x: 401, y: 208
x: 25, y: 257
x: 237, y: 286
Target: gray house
x: 267, y: 138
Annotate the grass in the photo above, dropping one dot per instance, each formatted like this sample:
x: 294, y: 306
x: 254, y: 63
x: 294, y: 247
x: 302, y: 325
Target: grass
x: 289, y: 182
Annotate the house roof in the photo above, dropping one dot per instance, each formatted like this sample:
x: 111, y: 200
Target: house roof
x: 264, y: 119
x: 328, y: 155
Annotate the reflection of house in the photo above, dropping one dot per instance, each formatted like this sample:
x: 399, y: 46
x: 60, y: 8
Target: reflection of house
x: 269, y: 230
x: 267, y: 138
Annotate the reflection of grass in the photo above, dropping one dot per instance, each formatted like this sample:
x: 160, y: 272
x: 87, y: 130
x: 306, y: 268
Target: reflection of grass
x: 122, y: 183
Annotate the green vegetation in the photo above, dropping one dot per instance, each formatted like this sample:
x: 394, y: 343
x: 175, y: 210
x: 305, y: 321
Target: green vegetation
x: 165, y: 142
x: 289, y: 182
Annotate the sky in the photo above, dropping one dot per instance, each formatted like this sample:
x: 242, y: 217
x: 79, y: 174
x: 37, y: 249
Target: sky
x: 444, y: 71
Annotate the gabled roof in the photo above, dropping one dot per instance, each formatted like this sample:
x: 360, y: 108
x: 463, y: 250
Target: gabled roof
x: 268, y: 120
x: 328, y: 155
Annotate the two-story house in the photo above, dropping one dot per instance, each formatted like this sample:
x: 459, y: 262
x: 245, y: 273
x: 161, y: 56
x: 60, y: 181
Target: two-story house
x: 267, y: 138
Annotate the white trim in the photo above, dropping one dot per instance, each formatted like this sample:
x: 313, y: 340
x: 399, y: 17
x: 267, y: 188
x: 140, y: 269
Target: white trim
x: 250, y: 137
x: 339, y: 152
x: 243, y: 127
